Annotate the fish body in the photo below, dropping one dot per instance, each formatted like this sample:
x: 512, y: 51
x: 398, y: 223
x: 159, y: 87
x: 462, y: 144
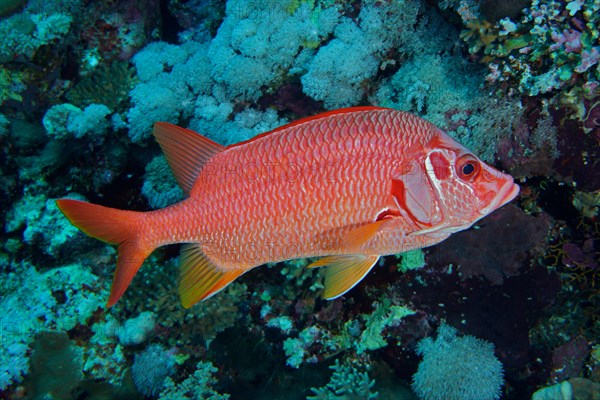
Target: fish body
x: 349, y: 185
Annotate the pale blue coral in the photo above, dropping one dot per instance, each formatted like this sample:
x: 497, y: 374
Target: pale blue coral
x: 245, y: 59
x: 65, y: 121
x: 340, y: 68
x: 457, y: 367
x: 212, y: 118
x: 22, y: 34
x: 170, y: 76
x: 262, y: 39
x: 29, y: 307
x: 160, y: 187
x: 42, y: 223
x: 150, y: 369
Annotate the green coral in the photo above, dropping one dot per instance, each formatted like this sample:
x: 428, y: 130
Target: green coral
x: 385, y: 315
x: 355, y: 335
x: 198, y: 386
x: 108, y: 84
x: 347, y: 383
x: 11, y: 85
x: 296, y: 348
x: 295, y: 272
x: 66, y: 358
x: 412, y: 259
x: 283, y: 323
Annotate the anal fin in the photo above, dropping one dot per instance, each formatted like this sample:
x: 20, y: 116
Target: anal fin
x: 200, y: 278
x: 344, y: 272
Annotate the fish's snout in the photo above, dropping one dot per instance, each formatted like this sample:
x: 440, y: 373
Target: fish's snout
x: 497, y: 198
x: 512, y: 191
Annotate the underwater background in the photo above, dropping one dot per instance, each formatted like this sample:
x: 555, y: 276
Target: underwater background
x: 502, y: 310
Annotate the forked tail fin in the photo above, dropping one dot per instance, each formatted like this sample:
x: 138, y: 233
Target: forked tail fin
x: 110, y: 225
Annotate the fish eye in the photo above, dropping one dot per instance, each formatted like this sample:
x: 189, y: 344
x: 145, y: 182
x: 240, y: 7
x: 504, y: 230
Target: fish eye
x: 468, y: 168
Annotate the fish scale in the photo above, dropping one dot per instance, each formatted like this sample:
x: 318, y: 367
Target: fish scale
x: 349, y: 185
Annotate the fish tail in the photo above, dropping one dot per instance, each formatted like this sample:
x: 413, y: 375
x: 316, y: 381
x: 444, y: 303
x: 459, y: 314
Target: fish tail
x: 121, y: 227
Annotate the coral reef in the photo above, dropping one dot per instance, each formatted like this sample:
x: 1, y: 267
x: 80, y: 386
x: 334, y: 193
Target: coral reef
x: 82, y: 83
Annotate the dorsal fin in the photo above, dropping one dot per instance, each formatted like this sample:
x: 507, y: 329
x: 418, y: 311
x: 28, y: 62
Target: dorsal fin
x: 312, y: 118
x: 186, y: 151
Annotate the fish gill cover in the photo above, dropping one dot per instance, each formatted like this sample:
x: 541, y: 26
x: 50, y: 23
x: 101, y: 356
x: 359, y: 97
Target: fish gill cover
x: 81, y: 84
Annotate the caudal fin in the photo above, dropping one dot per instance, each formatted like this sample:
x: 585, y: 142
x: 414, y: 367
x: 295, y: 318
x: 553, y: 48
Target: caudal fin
x: 110, y: 225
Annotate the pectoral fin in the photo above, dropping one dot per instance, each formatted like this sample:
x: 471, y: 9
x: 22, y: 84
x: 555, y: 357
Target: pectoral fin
x: 344, y: 272
x: 200, y: 278
x: 359, y: 236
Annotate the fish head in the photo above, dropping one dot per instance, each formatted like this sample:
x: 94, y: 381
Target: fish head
x: 466, y: 189
x: 445, y: 188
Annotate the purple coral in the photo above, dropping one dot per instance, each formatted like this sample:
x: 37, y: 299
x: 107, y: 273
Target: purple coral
x: 570, y: 38
x: 588, y: 59
x: 592, y: 117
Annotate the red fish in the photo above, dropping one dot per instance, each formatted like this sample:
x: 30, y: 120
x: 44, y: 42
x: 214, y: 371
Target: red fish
x: 349, y: 185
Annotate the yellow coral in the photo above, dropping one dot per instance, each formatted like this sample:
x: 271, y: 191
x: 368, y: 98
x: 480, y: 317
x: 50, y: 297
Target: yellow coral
x: 10, y: 83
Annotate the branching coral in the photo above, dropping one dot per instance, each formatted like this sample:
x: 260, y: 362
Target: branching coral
x: 553, y: 48
x: 198, y: 386
x: 347, y: 383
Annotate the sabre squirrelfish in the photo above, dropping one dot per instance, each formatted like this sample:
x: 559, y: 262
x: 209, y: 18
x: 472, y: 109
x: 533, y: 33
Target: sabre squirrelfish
x: 349, y: 185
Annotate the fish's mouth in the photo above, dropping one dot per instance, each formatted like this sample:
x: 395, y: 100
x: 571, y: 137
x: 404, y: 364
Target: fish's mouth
x: 507, y: 193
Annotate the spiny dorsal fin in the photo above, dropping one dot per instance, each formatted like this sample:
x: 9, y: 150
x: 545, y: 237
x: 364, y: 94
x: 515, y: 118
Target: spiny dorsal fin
x: 200, y: 278
x: 304, y: 120
x: 186, y: 151
x: 344, y: 272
